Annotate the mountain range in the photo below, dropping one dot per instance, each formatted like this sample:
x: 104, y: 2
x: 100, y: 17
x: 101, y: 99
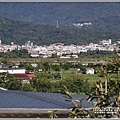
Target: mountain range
x: 48, y: 22
x: 66, y: 13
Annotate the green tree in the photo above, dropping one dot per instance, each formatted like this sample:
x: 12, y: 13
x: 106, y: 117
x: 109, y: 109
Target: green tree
x: 46, y: 66
x: 56, y: 67
x: 41, y: 84
x: 75, y: 84
x: 14, y: 84
x: 67, y: 65
x: 28, y: 87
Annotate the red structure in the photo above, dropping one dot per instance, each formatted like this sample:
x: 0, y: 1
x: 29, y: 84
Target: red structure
x: 24, y: 76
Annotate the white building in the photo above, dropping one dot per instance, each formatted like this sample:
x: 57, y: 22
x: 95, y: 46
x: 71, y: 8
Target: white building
x: 89, y: 71
x: 13, y: 70
x: 106, y: 42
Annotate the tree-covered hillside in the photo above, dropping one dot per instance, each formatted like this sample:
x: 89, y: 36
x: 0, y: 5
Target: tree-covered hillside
x: 37, y: 21
x: 104, y: 15
x: 20, y: 32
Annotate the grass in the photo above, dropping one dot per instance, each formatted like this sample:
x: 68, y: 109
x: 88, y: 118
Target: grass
x: 68, y: 73
x: 90, y: 77
x: 93, y: 77
x: 79, y: 60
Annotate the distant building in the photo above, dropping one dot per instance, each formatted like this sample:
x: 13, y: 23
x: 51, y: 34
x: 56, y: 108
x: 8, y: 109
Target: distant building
x: 13, y: 70
x: 106, y: 42
x: 78, y: 71
x: 24, y: 76
x: 18, y: 73
x: 0, y: 43
x: 34, y: 54
x: 90, y: 71
x: 110, y: 42
x: 75, y: 56
x: 64, y: 56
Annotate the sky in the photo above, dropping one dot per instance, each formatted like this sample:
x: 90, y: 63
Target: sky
x: 59, y: 0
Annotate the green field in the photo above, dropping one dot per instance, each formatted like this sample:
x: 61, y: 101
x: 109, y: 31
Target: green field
x: 89, y: 77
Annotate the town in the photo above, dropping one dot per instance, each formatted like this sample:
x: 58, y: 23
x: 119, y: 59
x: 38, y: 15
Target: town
x: 61, y: 50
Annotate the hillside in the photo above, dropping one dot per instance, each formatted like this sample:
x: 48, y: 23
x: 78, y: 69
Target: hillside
x: 37, y: 21
x: 103, y: 15
x: 20, y: 32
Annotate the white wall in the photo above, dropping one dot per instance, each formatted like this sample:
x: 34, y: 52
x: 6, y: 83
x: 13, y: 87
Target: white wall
x: 13, y: 71
x: 17, y: 71
x: 90, y: 72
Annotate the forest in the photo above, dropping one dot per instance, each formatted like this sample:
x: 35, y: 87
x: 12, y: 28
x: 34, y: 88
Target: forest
x: 20, y: 32
x: 37, y: 22
x: 101, y: 14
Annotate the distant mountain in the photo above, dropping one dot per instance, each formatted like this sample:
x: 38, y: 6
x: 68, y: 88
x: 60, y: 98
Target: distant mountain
x: 20, y: 32
x: 102, y: 15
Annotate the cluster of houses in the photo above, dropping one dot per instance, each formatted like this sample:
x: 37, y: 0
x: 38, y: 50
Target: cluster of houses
x: 22, y: 74
x: 68, y: 51
x: 82, y: 24
x: 18, y: 73
x: 61, y: 50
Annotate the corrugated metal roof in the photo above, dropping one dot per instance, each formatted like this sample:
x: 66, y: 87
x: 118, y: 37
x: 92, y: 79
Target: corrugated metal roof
x: 39, y: 100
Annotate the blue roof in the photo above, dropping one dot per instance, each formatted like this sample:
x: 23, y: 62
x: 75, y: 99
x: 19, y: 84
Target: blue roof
x: 39, y: 100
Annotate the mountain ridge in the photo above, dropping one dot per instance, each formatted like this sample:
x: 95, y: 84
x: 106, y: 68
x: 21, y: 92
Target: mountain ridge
x: 20, y: 32
x: 37, y: 22
x: 65, y: 12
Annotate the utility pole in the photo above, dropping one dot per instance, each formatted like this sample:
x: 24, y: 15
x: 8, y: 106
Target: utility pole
x: 106, y: 81
x: 57, y: 24
x: 61, y: 74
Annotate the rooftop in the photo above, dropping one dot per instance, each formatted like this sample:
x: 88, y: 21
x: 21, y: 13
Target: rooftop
x: 24, y: 76
x: 25, y: 104
x: 20, y: 68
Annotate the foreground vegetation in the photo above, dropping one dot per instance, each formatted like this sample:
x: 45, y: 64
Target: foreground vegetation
x: 101, y: 104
